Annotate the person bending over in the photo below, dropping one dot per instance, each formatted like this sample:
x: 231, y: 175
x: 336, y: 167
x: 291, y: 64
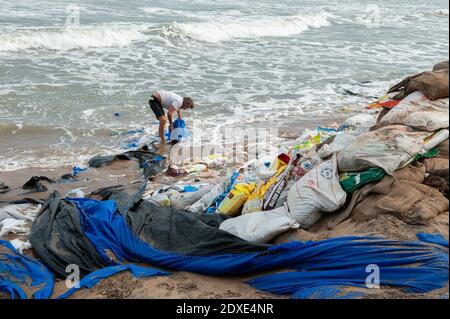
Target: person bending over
x: 171, y: 102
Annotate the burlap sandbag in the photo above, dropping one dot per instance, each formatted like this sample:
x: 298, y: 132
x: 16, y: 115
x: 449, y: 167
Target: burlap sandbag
x: 440, y: 66
x: 402, y: 195
x: 434, y: 84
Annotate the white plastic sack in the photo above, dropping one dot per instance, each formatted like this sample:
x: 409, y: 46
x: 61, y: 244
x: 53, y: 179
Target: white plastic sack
x: 19, y: 211
x: 435, y: 140
x: 11, y: 225
x: 283, y: 197
x: 338, y: 144
x: 260, y: 227
x: 316, y: 192
x: 182, y: 200
x: 20, y: 245
x: 208, y: 198
x: 360, y: 123
x: 160, y: 199
x: 391, y: 147
x: 417, y: 111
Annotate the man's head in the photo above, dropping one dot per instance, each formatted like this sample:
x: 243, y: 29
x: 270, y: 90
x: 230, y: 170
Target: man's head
x: 188, y: 103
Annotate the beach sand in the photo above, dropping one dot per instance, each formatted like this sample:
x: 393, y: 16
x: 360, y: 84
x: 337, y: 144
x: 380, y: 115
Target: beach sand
x: 186, y: 285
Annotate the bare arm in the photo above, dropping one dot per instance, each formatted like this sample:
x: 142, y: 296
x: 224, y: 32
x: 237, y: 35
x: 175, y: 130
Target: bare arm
x: 170, y: 117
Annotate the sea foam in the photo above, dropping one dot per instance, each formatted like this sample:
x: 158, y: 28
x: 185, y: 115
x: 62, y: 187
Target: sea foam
x: 247, y: 28
x: 71, y: 38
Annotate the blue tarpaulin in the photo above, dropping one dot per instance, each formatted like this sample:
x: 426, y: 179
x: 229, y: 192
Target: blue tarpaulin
x: 433, y: 239
x: 332, y: 262
x: 20, y: 274
x: 95, y: 277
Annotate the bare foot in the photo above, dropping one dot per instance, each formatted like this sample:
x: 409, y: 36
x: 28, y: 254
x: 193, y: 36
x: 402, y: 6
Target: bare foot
x: 161, y: 148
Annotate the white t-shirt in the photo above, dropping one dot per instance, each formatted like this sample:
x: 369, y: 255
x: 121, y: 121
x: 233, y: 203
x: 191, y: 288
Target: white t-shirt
x: 169, y: 99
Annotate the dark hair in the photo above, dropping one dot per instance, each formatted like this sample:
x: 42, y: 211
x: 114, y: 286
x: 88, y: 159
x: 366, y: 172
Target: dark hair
x: 188, y: 100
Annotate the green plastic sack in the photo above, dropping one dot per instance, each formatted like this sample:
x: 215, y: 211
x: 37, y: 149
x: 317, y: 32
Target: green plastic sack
x: 354, y: 180
x: 431, y: 153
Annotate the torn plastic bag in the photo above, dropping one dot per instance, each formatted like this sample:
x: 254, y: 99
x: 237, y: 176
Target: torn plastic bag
x: 162, y: 200
x: 417, y: 111
x: 19, y: 211
x: 16, y: 218
x: 390, y: 148
x: 20, y: 245
x: 209, y: 198
x: 11, y: 225
x: 339, y: 143
x: 360, y: 123
x: 182, y: 200
x: 316, y: 192
x: 260, y: 227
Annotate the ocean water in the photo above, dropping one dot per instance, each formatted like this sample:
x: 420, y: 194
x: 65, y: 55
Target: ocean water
x: 244, y: 61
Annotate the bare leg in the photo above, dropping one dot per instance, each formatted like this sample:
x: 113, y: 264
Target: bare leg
x: 162, y: 125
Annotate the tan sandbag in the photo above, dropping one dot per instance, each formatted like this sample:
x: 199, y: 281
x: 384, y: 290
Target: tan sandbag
x: 434, y: 84
x: 443, y: 149
x: 414, y: 172
x: 390, y: 147
x: 401, y: 195
x: 411, y: 202
x: 417, y: 111
x: 440, y: 66
x: 435, y: 166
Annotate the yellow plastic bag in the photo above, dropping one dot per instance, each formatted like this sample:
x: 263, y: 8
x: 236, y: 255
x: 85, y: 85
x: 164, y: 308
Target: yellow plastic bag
x: 254, y: 202
x: 232, y: 204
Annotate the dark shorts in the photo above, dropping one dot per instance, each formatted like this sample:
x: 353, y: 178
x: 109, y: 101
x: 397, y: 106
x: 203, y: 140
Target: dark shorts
x: 156, y: 107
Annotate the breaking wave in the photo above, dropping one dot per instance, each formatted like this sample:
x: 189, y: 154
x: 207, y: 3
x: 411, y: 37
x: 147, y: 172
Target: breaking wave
x: 441, y: 12
x: 245, y: 28
x: 72, y: 38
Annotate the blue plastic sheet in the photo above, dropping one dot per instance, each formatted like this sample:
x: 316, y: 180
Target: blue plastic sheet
x: 77, y: 170
x: 433, y: 239
x: 19, y: 274
x: 332, y: 262
x: 136, y: 131
x: 95, y: 277
x: 189, y: 189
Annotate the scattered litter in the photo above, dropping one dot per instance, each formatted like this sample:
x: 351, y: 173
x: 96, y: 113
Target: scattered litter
x: 77, y: 170
x: 76, y: 193
x: 20, y: 245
